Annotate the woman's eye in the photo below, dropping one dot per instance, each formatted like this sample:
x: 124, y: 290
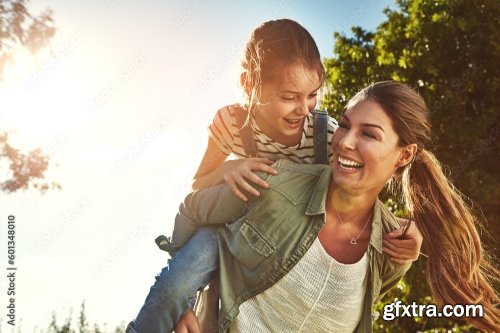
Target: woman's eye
x: 369, y: 134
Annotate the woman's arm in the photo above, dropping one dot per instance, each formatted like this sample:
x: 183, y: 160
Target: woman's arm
x: 391, y: 273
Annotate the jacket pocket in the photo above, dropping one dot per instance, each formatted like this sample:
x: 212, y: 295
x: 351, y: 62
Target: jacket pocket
x: 250, y: 246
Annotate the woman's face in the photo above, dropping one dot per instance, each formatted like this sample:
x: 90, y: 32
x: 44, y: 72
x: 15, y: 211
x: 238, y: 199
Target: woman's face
x: 365, y: 147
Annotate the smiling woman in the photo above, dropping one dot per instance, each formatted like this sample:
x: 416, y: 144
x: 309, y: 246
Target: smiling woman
x: 366, y: 148
x: 321, y: 228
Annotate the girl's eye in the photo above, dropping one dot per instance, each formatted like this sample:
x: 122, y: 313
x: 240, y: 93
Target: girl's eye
x: 287, y: 98
x: 313, y: 96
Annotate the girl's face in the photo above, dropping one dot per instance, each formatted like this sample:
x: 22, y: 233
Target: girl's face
x: 365, y: 149
x: 286, y: 101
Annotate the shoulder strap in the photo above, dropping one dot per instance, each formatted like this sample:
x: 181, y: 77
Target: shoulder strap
x: 246, y: 132
x: 320, y: 133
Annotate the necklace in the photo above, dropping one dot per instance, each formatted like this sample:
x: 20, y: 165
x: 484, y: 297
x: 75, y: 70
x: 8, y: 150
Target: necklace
x: 354, y: 240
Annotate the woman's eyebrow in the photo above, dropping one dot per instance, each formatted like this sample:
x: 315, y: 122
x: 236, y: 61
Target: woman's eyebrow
x: 373, y: 125
x: 365, y: 124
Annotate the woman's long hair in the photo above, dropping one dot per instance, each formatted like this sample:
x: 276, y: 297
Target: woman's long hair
x: 457, y: 272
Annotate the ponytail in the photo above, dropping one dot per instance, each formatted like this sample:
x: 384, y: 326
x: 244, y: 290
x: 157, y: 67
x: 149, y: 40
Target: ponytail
x: 457, y: 271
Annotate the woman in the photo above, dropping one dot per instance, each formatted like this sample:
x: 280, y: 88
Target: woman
x: 315, y: 235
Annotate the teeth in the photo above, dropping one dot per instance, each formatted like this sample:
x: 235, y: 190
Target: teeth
x: 293, y: 121
x: 350, y: 163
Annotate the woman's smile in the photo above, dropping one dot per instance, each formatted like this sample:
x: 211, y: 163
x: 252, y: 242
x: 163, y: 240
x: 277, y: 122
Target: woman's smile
x: 349, y: 164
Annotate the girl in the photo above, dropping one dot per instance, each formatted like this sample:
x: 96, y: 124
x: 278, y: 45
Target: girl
x: 282, y: 73
x: 320, y: 228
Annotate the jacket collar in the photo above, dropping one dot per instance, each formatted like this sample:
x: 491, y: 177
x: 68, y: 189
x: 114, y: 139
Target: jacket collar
x: 317, y: 202
x: 376, y: 236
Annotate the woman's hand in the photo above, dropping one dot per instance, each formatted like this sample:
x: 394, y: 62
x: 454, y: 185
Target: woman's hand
x: 406, y: 250
x: 240, y: 174
x: 188, y: 323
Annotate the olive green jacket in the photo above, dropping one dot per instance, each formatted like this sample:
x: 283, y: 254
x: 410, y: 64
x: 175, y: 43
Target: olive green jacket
x: 264, y: 239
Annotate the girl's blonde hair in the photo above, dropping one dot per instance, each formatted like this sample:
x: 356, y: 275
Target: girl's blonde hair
x: 273, y: 45
x: 458, y: 271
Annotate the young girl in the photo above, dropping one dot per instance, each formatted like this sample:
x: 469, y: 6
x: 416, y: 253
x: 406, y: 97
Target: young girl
x: 282, y: 73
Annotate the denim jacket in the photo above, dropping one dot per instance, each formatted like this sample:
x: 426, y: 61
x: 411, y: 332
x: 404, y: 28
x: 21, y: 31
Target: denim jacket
x: 264, y: 239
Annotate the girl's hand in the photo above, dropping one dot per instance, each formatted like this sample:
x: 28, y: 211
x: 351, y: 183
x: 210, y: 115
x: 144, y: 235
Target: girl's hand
x: 241, y: 173
x: 406, y: 250
x: 188, y: 323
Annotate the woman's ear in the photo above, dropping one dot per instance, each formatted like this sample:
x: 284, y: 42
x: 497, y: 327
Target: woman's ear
x: 407, y: 155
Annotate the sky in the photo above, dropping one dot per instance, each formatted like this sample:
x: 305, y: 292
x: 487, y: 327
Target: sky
x: 121, y: 101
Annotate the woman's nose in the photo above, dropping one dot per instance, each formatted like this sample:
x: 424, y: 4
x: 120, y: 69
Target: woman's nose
x: 347, y: 141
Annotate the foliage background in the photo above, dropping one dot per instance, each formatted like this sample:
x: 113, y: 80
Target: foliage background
x: 449, y: 51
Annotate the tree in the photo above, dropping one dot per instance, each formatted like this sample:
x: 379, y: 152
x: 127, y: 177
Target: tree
x: 83, y: 325
x: 449, y: 50
x: 20, y: 29
x: 26, y: 170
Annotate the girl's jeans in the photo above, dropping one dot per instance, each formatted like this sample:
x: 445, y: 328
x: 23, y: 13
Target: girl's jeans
x: 173, y: 293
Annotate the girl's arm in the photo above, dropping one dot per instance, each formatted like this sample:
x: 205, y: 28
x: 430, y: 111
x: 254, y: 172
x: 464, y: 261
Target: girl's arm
x: 238, y: 174
x: 208, y: 173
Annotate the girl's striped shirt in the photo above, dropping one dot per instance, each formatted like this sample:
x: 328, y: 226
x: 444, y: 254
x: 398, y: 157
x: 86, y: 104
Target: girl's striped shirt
x: 225, y: 132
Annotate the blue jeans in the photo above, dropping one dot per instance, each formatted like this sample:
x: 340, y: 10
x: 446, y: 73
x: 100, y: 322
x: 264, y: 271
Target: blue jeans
x: 173, y: 293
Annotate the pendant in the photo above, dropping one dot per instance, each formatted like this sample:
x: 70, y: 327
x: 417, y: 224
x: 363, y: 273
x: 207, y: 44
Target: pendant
x: 353, y: 241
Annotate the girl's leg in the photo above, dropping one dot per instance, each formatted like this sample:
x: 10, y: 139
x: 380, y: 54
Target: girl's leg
x: 175, y: 288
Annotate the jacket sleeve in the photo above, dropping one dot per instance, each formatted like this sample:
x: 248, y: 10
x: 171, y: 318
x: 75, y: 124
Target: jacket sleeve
x: 211, y: 206
x: 391, y: 275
